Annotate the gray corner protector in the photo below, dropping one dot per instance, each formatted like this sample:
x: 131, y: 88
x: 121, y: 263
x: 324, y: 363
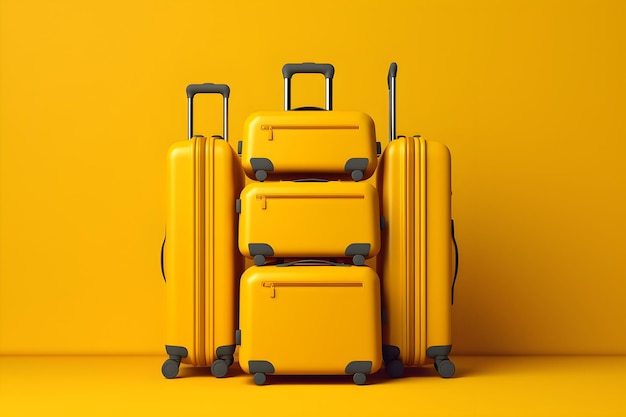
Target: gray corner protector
x: 239, y: 147
x: 260, y: 249
x: 438, y: 351
x: 379, y: 148
x: 228, y: 350
x: 354, y: 164
x: 383, y: 223
x: 261, y: 163
x: 358, y: 249
x: 178, y: 351
x: 264, y: 367
x: 238, y: 337
x: 359, y: 366
x: 238, y: 206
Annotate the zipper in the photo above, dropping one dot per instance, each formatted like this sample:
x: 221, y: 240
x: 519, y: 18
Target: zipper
x: 421, y: 214
x: 200, y: 250
x: 270, y: 128
x: 264, y: 197
x: 308, y: 284
x: 410, y: 256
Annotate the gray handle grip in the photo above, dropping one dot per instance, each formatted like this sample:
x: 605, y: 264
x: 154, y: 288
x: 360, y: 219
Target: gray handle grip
x: 308, y: 68
x: 391, y: 84
x: 393, y: 71
x: 208, y: 88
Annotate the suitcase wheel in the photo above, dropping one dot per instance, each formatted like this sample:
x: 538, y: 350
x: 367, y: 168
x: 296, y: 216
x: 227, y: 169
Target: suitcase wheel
x: 357, y: 175
x: 394, y: 368
x: 358, y: 260
x: 445, y: 367
x: 261, y: 175
x: 359, y: 378
x: 170, y: 368
x: 219, y: 368
x: 259, y: 260
x: 259, y: 378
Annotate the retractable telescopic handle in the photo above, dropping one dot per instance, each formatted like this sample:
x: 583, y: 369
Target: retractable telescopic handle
x: 206, y: 88
x: 290, y: 70
x: 391, y: 84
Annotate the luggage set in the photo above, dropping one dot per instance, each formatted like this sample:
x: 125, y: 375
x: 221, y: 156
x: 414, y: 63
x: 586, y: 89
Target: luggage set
x: 309, y: 304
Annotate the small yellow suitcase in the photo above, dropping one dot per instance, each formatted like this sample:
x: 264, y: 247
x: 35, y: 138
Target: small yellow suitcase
x: 292, y: 144
x: 303, y: 219
x: 200, y: 260
x: 416, y: 262
x: 310, y: 318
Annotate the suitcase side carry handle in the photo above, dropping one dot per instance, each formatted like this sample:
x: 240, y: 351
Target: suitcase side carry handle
x: 456, y: 261
x: 289, y: 70
x: 391, y: 84
x: 206, y: 88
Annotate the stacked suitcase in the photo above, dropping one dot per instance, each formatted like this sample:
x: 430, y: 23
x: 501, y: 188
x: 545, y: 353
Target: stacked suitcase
x: 308, y: 220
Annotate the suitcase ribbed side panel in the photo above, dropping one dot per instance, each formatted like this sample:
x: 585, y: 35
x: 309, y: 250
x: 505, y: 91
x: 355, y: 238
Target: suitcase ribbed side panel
x: 202, y: 262
x: 439, y: 262
x: 415, y: 259
x: 180, y: 252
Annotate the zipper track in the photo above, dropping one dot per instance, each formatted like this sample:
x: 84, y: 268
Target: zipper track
x: 265, y: 197
x: 271, y: 128
x: 411, y: 260
x: 308, y: 284
x: 200, y: 231
x: 310, y: 127
x: 422, y: 277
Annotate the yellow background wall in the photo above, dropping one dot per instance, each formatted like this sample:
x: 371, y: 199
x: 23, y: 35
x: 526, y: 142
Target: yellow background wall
x: 530, y: 96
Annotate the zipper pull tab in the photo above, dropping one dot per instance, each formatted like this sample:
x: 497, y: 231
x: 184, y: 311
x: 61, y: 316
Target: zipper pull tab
x: 263, y: 201
x: 270, y: 131
x: 270, y: 285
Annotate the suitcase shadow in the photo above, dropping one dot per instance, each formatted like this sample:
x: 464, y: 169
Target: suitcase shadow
x: 380, y: 377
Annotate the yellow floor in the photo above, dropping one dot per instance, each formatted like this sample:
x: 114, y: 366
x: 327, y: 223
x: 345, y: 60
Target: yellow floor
x: 484, y: 386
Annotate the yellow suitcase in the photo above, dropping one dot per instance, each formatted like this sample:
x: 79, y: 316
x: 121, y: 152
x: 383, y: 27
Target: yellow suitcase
x: 310, y: 318
x: 416, y: 260
x: 293, y: 144
x: 200, y: 260
x: 303, y: 219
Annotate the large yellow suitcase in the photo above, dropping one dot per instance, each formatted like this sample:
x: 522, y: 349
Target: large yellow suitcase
x: 293, y: 144
x: 301, y: 219
x: 416, y: 260
x: 310, y: 318
x: 200, y: 259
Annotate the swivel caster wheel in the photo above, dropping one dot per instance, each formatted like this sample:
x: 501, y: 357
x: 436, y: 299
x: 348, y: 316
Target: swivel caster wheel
x: 357, y: 175
x: 170, y: 368
x: 445, y: 368
x: 219, y: 368
x: 260, y: 378
x: 394, y: 368
x: 261, y: 175
x: 259, y: 260
x: 359, y: 378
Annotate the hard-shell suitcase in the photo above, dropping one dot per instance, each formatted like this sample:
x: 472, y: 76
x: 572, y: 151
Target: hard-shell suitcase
x: 200, y: 260
x: 416, y: 261
x: 310, y: 319
x: 292, y: 144
x: 309, y: 219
